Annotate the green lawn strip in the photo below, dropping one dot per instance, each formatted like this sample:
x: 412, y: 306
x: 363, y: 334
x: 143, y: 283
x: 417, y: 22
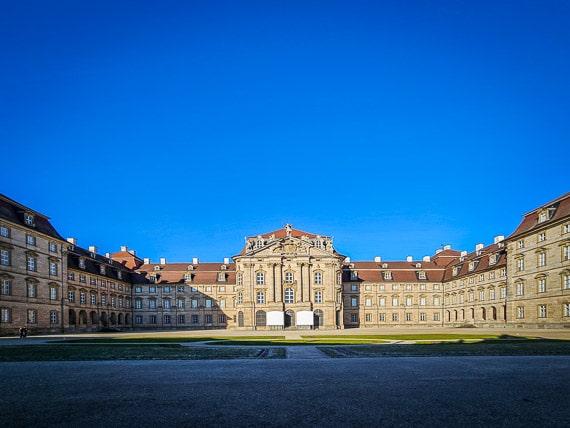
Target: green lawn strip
x: 91, y: 352
x: 419, y: 336
x: 445, y: 349
x: 159, y: 339
x: 294, y: 342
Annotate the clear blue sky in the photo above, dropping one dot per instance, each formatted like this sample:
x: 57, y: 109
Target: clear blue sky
x: 178, y: 127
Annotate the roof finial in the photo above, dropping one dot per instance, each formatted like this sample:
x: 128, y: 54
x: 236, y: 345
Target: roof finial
x: 288, y: 229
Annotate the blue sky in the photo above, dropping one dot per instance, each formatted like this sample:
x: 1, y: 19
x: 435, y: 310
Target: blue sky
x: 179, y: 127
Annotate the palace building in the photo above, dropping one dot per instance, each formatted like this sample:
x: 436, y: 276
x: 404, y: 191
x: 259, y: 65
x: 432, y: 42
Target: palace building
x: 283, y: 279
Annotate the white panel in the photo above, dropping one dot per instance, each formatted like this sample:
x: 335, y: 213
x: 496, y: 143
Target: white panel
x: 275, y: 318
x: 305, y: 318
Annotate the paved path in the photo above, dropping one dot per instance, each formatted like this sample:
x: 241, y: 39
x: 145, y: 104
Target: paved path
x: 304, y: 353
x: 332, y: 392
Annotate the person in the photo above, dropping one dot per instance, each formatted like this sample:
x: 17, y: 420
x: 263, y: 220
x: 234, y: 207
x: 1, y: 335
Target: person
x: 23, y: 332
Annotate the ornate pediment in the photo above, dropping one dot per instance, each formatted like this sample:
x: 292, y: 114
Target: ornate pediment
x: 290, y: 247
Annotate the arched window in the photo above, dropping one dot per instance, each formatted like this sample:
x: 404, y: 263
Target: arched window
x: 240, y: 319
x: 289, y: 295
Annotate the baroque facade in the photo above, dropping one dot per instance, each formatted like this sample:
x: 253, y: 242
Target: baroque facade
x: 283, y: 279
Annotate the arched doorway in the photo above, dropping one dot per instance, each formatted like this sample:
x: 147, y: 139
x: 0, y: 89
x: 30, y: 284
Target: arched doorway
x: 121, y: 319
x: 289, y: 318
x: 72, y: 317
x: 260, y: 319
x: 319, y: 318
x: 82, y: 318
x: 94, y: 318
x: 240, y: 319
x: 104, y: 319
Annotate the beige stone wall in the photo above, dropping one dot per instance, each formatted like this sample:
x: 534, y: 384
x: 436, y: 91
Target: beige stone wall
x: 538, y: 293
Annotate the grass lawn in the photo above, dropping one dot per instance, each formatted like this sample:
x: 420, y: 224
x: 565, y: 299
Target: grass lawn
x: 93, y: 352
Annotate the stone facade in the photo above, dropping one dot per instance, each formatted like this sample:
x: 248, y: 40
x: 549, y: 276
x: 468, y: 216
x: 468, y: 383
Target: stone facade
x: 283, y: 279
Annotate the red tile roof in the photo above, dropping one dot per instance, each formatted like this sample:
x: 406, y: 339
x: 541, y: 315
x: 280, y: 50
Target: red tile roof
x: 561, y: 206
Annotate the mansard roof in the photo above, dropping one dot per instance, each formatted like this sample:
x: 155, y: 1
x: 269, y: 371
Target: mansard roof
x: 481, y: 262
x: 400, y: 271
x: 282, y: 233
x: 13, y: 212
x: 201, y: 273
x: 558, y: 209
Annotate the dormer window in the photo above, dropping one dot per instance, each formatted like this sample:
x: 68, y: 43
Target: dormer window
x: 119, y: 274
x: 82, y: 263
x: 492, y: 259
x: 29, y: 219
x: 187, y: 276
x: 388, y: 275
x: 384, y: 265
x: 543, y: 216
x: 353, y: 275
x: 259, y: 243
x: 471, y: 266
x: 454, y: 271
x: 152, y: 278
x: 190, y: 267
x: 318, y: 243
x: 102, y: 269
x: 418, y: 265
x: 422, y: 275
x: 157, y: 268
x: 221, y: 276
x: 223, y: 267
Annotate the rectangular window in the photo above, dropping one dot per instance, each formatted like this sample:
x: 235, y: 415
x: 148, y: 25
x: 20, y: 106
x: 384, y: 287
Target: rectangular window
x: 194, y: 303
x: 6, y: 287
x: 541, y: 237
x: 381, y: 287
x: 260, y: 278
x: 422, y: 316
x: 53, y: 317
x: 260, y: 297
x: 567, y: 309
x: 566, y: 280
x: 93, y: 299
x: 541, y: 259
x: 436, y: 300
x: 354, y: 317
x: 31, y: 263
x: 53, y: 268
x: 181, y: 303
x: 5, y: 257
x: 436, y: 316
x: 354, y: 302
x: 82, y: 298
x: 566, y: 253
x: 4, y: 231
x: 394, y: 317
x: 481, y: 296
x: 30, y: 240
x: 520, y: 264
x: 181, y: 319
x: 208, y: 319
x: 138, y: 304
x: 382, y: 317
x: 471, y: 296
x: 166, y: 303
x: 382, y: 301
x: 409, y: 317
x: 542, y: 285
x: 394, y: 301
x: 422, y: 301
x: 32, y: 316
x: 520, y: 289
x: 354, y: 287
x: 542, y: 311
x: 368, y: 317
x: 53, y: 247
x: 195, y: 319
x: 32, y: 290
x: 368, y: 301
x: 318, y: 296
x: 138, y: 319
x: 152, y: 304
x: 166, y: 319
x: 408, y: 301
x: 82, y: 278
x: 521, y: 243
x: 520, y: 312
x: 222, y: 319
x: 152, y: 319
x: 6, y: 315
x: 492, y: 294
x: 208, y: 303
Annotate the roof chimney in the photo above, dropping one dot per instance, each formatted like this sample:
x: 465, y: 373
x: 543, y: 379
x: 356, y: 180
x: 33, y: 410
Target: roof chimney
x: 427, y: 259
x: 162, y: 261
x: 108, y: 255
x: 72, y: 241
x: 195, y: 260
x: 226, y: 260
x: 498, y: 239
x: 133, y: 252
x: 93, y: 249
x: 409, y: 259
x: 479, y: 247
x: 447, y: 247
x: 378, y: 259
x: 147, y: 260
x: 124, y: 248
